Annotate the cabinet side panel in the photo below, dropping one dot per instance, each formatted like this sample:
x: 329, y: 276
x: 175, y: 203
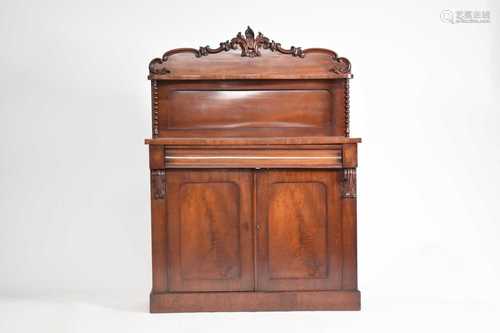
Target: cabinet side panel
x: 158, y: 230
x: 349, y: 230
x: 340, y: 105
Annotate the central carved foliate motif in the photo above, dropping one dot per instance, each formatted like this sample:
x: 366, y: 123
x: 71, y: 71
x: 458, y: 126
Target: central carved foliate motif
x: 250, y: 46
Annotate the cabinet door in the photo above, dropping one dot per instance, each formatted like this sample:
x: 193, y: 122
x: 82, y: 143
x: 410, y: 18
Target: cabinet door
x: 298, y: 230
x: 210, y: 223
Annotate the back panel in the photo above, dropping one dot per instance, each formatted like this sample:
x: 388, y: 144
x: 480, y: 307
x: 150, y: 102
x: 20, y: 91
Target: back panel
x: 257, y: 108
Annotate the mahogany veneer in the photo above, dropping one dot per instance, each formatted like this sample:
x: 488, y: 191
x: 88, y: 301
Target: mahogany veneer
x: 253, y: 179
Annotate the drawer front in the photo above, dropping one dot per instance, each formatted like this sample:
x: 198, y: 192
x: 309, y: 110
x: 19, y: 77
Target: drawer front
x: 253, y: 158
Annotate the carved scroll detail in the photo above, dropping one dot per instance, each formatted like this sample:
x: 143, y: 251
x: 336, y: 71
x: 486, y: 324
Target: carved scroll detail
x: 341, y: 65
x: 349, y: 183
x: 155, y: 107
x: 346, y: 101
x: 158, y: 184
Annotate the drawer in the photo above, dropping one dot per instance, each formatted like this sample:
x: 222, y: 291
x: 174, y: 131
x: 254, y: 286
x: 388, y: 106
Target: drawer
x: 253, y: 158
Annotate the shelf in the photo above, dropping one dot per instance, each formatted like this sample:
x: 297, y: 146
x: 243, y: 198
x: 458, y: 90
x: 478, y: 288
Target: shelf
x: 313, y: 140
x: 267, y: 76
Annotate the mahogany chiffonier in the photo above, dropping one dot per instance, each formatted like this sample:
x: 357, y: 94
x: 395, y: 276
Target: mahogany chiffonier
x: 253, y: 179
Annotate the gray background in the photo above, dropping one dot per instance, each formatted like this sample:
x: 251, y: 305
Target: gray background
x: 74, y: 199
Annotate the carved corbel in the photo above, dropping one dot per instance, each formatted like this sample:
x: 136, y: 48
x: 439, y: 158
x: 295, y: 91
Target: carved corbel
x: 349, y: 183
x: 158, y: 184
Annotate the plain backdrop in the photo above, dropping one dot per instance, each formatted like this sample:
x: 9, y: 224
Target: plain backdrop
x: 74, y: 194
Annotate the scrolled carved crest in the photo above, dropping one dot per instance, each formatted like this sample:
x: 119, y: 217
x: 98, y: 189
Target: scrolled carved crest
x: 250, y: 46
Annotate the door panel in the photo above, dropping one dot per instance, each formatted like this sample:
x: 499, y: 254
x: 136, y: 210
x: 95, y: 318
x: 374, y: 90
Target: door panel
x: 211, y: 249
x: 299, y: 230
x: 210, y: 230
x: 297, y: 212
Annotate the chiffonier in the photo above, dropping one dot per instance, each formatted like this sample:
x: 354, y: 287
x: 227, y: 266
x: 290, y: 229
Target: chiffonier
x: 253, y: 179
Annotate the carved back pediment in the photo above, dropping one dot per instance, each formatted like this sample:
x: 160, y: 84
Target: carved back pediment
x: 249, y: 56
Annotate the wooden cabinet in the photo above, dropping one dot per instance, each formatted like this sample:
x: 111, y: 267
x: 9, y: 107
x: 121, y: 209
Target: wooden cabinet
x: 253, y: 179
